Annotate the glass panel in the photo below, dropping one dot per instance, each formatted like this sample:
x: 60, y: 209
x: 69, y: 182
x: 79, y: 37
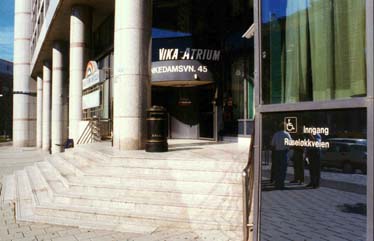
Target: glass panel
x: 313, y: 50
x: 314, y: 175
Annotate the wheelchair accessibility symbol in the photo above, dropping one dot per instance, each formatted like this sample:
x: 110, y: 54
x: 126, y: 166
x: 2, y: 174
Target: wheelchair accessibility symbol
x: 290, y: 124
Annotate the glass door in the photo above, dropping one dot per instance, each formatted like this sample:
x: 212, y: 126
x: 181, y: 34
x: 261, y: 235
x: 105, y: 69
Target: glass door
x: 206, y: 112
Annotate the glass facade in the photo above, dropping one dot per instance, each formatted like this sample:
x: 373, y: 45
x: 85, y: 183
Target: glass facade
x: 315, y: 130
x: 313, y: 50
x: 314, y: 175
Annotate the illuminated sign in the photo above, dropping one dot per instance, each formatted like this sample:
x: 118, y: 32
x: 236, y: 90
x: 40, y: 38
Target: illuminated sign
x: 93, y: 75
x: 189, y: 54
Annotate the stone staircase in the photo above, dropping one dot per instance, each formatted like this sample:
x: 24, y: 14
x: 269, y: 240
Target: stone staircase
x: 133, y: 192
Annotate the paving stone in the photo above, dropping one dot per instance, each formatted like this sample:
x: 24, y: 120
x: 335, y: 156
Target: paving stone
x: 65, y: 238
x: 85, y: 235
x: 70, y: 231
x: 26, y: 239
x: 47, y: 236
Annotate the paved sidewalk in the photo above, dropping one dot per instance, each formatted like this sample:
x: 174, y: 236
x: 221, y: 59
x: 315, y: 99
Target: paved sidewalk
x: 322, y: 214
x: 334, y: 212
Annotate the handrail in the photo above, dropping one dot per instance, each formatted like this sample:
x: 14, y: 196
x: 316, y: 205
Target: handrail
x: 84, y: 133
x: 248, y: 184
x: 91, y: 132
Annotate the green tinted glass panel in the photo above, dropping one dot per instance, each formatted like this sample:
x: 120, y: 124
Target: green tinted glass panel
x: 313, y: 50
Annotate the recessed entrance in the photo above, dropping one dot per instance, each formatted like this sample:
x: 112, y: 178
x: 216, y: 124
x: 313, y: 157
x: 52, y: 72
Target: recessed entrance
x: 190, y: 110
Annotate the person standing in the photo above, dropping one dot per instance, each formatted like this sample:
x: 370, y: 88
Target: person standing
x: 314, y: 156
x: 279, y: 156
x: 298, y: 164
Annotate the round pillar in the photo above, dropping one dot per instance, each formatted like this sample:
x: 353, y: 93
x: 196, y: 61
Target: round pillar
x: 132, y: 45
x: 58, y: 97
x: 22, y: 98
x: 39, y: 112
x: 80, y: 31
x: 46, y: 142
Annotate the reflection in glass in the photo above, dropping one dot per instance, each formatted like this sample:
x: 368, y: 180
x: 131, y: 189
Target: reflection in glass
x: 314, y: 175
x: 313, y: 50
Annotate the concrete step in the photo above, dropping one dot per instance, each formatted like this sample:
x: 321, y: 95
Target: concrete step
x: 134, y: 192
x: 30, y: 209
x: 103, y: 186
x: 216, y: 153
x: 228, y: 221
x: 127, y: 213
x: 39, y: 185
x: 46, y: 182
x: 124, y: 174
x: 54, y: 177
x: 155, y: 198
x: 102, y: 161
x: 65, y: 167
x: 8, y: 190
x: 24, y: 201
x: 154, y: 173
x: 150, y: 197
x: 145, y: 211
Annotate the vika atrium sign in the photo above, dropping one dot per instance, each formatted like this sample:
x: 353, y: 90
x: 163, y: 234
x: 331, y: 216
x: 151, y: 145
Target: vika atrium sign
x: 184, y: 67
x: 189, y: 54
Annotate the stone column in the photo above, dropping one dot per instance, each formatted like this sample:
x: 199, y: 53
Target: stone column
x: 80, y: 31
x: 46, y: 143
x: 39, y: 112
x: 58, y: 96
x: 132, y: 45
x: 22, y: 121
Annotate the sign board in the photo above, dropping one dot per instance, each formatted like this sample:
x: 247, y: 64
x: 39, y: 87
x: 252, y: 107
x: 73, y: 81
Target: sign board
x: 93, y: 75
x: 91, y: 100
x: 184, y: 66
x: 189, y: 54
x: 180, y: 70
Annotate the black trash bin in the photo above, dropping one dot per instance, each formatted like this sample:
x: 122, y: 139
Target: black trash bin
x: 157, y: 129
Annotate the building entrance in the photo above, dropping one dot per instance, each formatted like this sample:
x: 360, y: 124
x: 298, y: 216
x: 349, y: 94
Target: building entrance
x: 190, y: 110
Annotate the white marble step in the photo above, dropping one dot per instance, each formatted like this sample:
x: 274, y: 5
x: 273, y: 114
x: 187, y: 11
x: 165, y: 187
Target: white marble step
x: 146, y: 211
x: 150, y: 197
x: 157, y: 196
x: 66, y: 168
x: 113, y: 173
x: 128, y: 209
x: 55, y: 189
x: 53, y: 176
x: 196, y: 153
x: 227, y: 221
x: 177, y: 216
x: 39, y: 185
x: 8, y: 190
x: 24, y: 200
x: 211, y: 165
x: 100, y: 186
x: 158, y: 214
x: 28, y: 207
x: 40, y: 195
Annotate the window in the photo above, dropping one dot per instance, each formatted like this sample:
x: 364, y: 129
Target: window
x: 314, y: 176
x: 313, y: 50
